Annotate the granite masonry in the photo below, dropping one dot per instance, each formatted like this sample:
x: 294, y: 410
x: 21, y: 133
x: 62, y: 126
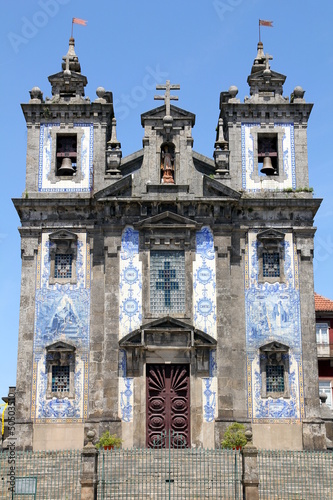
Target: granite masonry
x: 166, y: 290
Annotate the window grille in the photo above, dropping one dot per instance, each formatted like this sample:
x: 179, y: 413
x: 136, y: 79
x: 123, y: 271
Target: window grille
x: 271, y: 265
x: 274, y: 378
x: 60, y: 378
x: 63, y: 265
x: 167, y: 281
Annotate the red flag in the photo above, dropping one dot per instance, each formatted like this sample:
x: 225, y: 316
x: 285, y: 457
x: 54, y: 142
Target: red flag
x: 262, y: 22
x: 76, y: 20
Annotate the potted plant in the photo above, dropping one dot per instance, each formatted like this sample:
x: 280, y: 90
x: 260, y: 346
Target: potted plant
x: 234, y: 437
x: 108, y: 441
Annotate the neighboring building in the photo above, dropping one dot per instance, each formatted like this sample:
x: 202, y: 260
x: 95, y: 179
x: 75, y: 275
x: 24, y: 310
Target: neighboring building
x: 324, y: 334
x: 167, y: 290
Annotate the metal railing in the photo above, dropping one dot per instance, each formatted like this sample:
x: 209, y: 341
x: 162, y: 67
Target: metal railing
x: 169, y: 472
x: 295, y: 475
x: 57, y: 473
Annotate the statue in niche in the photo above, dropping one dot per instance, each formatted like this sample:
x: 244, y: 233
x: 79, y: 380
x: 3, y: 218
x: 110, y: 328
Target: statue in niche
x: 167, y: 165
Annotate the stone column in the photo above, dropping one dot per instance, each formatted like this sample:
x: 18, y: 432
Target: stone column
x: 250, y: 476
x: 89, y: 459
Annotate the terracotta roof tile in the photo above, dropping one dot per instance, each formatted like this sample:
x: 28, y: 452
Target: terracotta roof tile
x: 323, y: 304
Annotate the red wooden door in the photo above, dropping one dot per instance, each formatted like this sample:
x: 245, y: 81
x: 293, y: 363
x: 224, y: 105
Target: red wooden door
x: 168, y: 402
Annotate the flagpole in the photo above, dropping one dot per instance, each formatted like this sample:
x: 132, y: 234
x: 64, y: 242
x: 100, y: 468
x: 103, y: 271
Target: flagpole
x: 72, y: 27
x: 259, y: 32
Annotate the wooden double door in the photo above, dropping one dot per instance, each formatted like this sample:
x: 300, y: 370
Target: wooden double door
x: 168, y: 404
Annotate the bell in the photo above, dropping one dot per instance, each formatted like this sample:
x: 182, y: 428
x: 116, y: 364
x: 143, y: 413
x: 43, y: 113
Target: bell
x: 267, y: 167
x: 66, y: 167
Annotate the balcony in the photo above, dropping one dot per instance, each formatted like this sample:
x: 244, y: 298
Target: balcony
x: 325, y: 350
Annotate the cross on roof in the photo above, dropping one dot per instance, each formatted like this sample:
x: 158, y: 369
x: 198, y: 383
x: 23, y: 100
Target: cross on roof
x: 267, y: 59
x: 167, y: 97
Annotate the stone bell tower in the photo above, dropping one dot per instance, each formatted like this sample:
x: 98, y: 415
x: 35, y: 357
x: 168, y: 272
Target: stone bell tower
x: 69, y: 142
x: 261, y: 151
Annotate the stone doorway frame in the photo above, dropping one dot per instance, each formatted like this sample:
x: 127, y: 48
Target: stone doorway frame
x: 166, y: 341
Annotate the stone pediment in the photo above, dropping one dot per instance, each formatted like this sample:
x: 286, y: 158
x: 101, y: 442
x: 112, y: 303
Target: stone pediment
x: 121, y: 188
x: 60, y: 346
x: 274, y: 347
x: 271, y: 234
x: 159, y: 113
x: 168, y: 220
x: 63, y: 234
x: 215, y: 188
x: 167, y: 332
x: 273, y: 75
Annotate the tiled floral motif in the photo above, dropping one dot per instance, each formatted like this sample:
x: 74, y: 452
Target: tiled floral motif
x: 130, y: 286
x: 209, y: 398
x: 126, y: 399
x: 288, y: 150
x: 209, y: 389
x: 62, y: 314
x: 125, y: 389
x: 273, y: 314
x: 204, y: 283
x: 47, y: 149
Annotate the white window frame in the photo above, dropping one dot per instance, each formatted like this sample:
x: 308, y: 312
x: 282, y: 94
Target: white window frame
x: 322, y: 338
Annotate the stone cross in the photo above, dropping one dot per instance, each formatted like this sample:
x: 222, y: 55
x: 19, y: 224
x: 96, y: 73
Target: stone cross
x: 167, y: 97
x: 267, y: 59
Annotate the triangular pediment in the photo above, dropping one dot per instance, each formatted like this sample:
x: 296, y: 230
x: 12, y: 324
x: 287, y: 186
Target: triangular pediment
x: 274, y: 347
x: 261, y: 75
x: 74, y: 76
x: 168, y: 219
x: 271, y: 234
x: 60, y: 346
x: 212, y: 187
x: 120, y: 188
x: 63, y: 234
x: 177, y: 113
x: 171, y: 326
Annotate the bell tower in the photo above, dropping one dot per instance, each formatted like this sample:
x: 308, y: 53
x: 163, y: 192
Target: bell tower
x: 261, y: 142
x: 261, y: 151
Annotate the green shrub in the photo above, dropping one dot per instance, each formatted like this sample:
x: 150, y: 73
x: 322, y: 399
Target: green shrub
x: 234, y: 436
x: 108, y: 439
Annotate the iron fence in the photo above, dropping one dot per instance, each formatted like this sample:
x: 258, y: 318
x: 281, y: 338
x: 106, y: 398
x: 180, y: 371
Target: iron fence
x: 172, y: 473
x: 295, y: 475
x: 57, y: 473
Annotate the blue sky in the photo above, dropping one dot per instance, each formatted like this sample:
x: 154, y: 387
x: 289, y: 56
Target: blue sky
x: 130, y: 46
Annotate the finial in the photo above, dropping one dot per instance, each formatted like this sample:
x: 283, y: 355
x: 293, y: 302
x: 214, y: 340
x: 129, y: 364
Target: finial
x: 248, y: 435
x: 113, y: 152
x: 90, y: 435
x: 36, y: 95
x: 71, y: 61
x: 260, y: 53
x: 297, y: 95
x: 100, y: 92
x: 113, y: 143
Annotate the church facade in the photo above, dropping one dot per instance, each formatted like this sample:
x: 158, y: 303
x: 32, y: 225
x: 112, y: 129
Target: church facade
x: 167, y: 290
